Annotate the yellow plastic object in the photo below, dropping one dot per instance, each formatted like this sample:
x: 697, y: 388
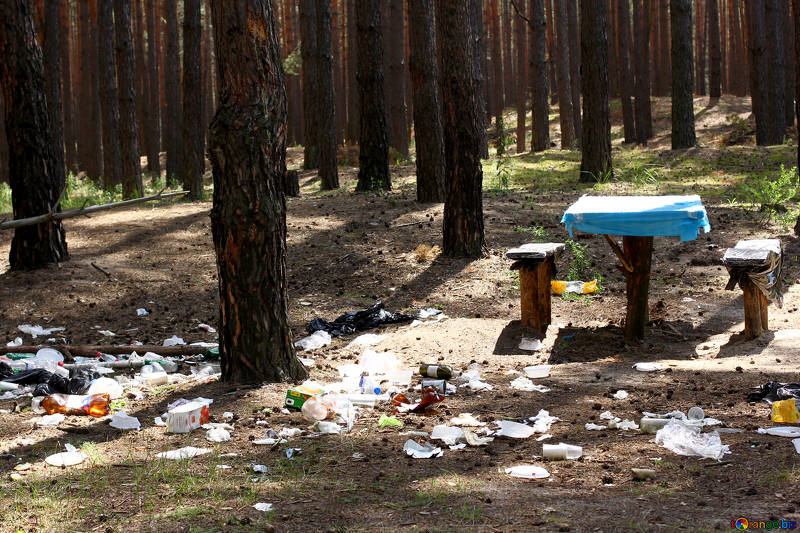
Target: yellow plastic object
x: 785, y: 411
x: 577, y: 287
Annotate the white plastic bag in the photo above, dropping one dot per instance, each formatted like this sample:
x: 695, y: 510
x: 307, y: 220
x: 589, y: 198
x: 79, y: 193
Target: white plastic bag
x: 447, y: 434
x: 421, y: 451
x: 685, y: 440
x: 121, y: 420
x: 318, y: 339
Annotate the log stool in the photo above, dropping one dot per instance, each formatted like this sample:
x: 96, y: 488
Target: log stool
x: 756, y: 266
x: 536, y: 264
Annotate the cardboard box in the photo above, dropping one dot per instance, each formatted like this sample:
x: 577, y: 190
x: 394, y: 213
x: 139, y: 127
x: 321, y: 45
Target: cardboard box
x: 297, y: 396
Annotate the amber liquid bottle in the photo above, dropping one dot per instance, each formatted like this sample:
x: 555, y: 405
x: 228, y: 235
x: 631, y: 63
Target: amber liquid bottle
x: 96, y: 405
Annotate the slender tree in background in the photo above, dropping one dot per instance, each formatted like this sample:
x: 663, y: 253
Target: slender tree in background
x: 540, y: 109
x: 143, y: 110
x: 326, y: 140
x: 193, y: 138
x: 758, y: 68
x: 551, y: 63
x: 520, y: 45
x: 479, y: 69
x: 308, y: 51
x: 398, y: 134
x: 700, y: 48
x: 426, y: 102
x: 508, y: 62
x: 247, y: 146
x: 788, y: 57
x: 796, y: 42
x: 575, y: 66
x: 339, y: 92
x: 152, y: 128
x: 36, y: 177
x: 596, y: 155
x: 173, y: 122
x: 562, y: 75
x: 3, y: 142
x: 776, y: 66
x: 373, y: 156
x: 611, y: 38
x: 67, y: 104
x: 462, y: 228
x: 714, y: 50
x: 109, y: 99
x: 353, y: 114
x: 683, y: 135
x: 52, y: 79
x: 130, y: 165
x: 625, y: 71
x: 496, y: 79
x: 642, y: 111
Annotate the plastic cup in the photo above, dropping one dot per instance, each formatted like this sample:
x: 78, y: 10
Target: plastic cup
x: 652, y: 425
x: 561, y: 451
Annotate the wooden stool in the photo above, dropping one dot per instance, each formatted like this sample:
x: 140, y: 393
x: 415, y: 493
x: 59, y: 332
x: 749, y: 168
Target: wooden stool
x: 756, y: 266
x: 536, y: 264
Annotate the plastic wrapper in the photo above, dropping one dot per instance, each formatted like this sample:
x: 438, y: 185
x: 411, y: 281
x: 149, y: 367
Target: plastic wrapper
x: 685, y: 440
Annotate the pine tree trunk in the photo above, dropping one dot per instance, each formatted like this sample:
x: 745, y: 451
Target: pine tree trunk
x: 52, y: 80
x: 683, y: 135
x: 353, y: 113
x: 395, y: 89
x: 130, y: 166
x: 700, y: 49
x: 308, y: 43
x: 625, y: 70
x: 172, y: 89
x: 373, y: 157
x: 36, y: 177
x: 247, y: 145
x: 325, y: 114
x: 67, y: 105
x: 3, y: 141
x: 462, y: 229
x: 479, y: 71
x: 426, y: 102
x: 90, y: 142
x: 109, y: 98
x: 508, y: 63
x: 641, y: 41
x: 575, y: 66
x: 666, y: 80
x: 796, y: 42
x: 520, y: 48
x: 540, y: 137
x: 293, y: 91
x: 723, y: 49
x: 714, y: 52
x: 192, y: 132
x: 611, y: 38
x: 551, y: 52
x: 143, y: 111
x: 338, y: 87
x: 497, y: 65
x: 788, y: 57
x: 758, y: 69
x: 562, y: 66
x: 773, y: 17
x: 152, y: 129
x: 596, y: 160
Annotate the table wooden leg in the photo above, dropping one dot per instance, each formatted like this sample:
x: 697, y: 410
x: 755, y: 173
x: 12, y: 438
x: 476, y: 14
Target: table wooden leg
x: 755, y: 309
x: 534, y: 288
x: 638, y: 252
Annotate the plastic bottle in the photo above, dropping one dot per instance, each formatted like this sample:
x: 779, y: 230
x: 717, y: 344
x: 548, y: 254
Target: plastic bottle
x: 18, y: 356
x: 315, y: 409
x: 436, y: 371
x: 107, y: 357
x: 70, y: 404
x: 22, y: 364
x: 167, y: 364
x: 49, y: 354
x: 368, y: 385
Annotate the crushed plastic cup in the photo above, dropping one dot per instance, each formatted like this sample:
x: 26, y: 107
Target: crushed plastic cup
x: 524, y: 384
x: 447, y: 434
x: 106, y: 386
x: 218, y: 434
x: 695, y: 413
x: 513, y: 430
x: 421, y: 451
x: 527, y: 472
x: 537, y: 371
x: 647, y: 367
x: 122, y: 420
x: 327, y: 428
x: 652, y: 425
x: 561, y: 451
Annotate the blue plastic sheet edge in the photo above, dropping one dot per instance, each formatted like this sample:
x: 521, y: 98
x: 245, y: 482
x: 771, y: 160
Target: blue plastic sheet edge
x: 656, y: 223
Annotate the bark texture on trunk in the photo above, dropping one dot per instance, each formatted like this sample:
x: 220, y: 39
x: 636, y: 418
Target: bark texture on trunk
x: 564, y: 85
x: 353, y: 113
x: 130, y: 165
x: 247, y: 145
x: 758, y: 69
x: 52, y: 79
x: 596, y: 155
x: 426, y: 102
x: 325, y: 115
x: 788, y: 57
x: 575, y: 66
x: 508, y: 63
x: 479, y: 70
x: 497, y: 66
x: 540, y: 109
x: 193, y: 138
x: 373, y: 156
x: 683, y: 134
x: 172, y: 91
x: 462, y: 229
x: 796, y: 17
x: 700, y: 48
x: 109, y: 98
x: 773, y: 16
x: 36, y: 178
x: 625, y: 70
x: 521, y: 48
x: 67, y: 104
x: 714, y: 50
x: 398, y: 137
x: 308, y: 52
x: 642, y: 110
x: 152, y: 130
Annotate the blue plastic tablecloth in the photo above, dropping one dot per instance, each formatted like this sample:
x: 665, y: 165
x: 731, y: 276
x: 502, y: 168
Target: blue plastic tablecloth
x: 638, y: 216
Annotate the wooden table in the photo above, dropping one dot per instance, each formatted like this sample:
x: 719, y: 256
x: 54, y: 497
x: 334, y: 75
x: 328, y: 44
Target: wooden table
x: 637, y: 219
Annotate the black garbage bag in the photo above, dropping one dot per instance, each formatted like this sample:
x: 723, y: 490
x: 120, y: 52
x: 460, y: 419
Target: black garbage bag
x: 46, y: 382
x: 774, y: 391
x: 349, y: 323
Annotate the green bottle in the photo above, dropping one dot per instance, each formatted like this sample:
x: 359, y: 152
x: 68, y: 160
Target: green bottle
x: 436, y: 371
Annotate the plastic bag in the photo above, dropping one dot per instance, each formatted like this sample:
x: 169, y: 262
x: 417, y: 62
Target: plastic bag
x: 577, y: 287
x: 785, y: 411
x: 318, y: 339
x: 349, y: 323
x: 770, y: 392
x: 685, y: 440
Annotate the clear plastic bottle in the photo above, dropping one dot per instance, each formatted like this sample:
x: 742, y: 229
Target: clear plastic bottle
x: 315, y: 409
x: 107, y: 357
x: 368, y: 385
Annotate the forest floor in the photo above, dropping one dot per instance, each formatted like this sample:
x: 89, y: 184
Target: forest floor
x: 348, y: 250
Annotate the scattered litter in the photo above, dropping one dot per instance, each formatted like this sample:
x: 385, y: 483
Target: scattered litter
x: 368, y: 339
x: 373, y: 362
x: 206, y: 327
x: 227, y: 415
x: 537, y: 371
x: 185, y: 417
x: 159, y: 421
x: 561, y: 451
x: 421, y: 451
x: 422, y: 314
x: 686, y: 299
x: 262, y: 506
x: 577, y: 287
x: 620, y: 395
x: 448, y: 434
x: 647, y: 367
x: 774, y: 391
x: 358, y: 456
x: 389, y: 421
x: 71, y: 457
x: 187, y: 452
x: 796, y: 443
x: 542, y: 421
x: 513, y: 430
x: 781, y: 431
x: 37, y: 331
x: 429, y: 397
x: 686, y: 440
x: 525, y: 384
x: 474, y: 440
x: 106, y: 386
x: 290, y: 432
x: 349, y: 323
x: 594, y: 427
x: 784, y: 411
x: 466, y: 419
x: 643, y: 474
x: 218, y: 434
x: 527, y: 472
x: 327, y: 428
x: 458, y: 446
x: 622, y: 425
x: 318, y: 339
x: 223, y: 467
x: 122, y: 420
x: 174, y: 341
x: 544, y: 437
x: 48, y: 420
x: 695, y: 413
x: 306, y: 362
x: 107, y: 333
x: 531, y: 345
x: 652, y: 425
x: 142, y: 312
x: 15, y: 342
x: 260, y: 469
x: 291, y: 452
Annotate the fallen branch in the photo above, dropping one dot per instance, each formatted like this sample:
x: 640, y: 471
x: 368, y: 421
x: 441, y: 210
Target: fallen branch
x: 22, y: 222
x: 101, y: 269
x: 91, y: 350
x: 410, y: 224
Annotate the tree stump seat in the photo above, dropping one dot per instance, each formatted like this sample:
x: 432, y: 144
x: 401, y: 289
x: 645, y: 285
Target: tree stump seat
x: 536, y: 265
x: 755, y: 265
